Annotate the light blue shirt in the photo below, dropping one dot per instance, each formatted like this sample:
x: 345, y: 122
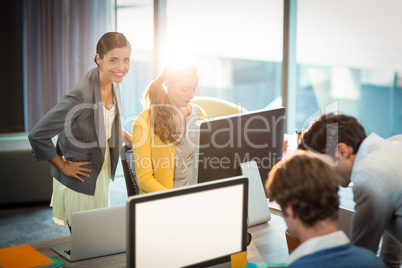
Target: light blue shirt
x: 377, y: 191
x: 364, y: 148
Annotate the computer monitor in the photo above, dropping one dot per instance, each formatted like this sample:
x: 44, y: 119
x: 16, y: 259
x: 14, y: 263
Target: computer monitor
x: 194, y: 226
x: 223, y: 143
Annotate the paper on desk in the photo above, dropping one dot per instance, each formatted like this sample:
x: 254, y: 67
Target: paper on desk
x: 23, y: 256
x: 58, y: 263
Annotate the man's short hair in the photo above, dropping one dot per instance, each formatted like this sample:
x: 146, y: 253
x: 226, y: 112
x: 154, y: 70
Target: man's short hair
x: 324, y: 134
x: 309, y: 185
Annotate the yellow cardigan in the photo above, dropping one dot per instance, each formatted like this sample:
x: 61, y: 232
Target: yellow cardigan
x: 154, y: 160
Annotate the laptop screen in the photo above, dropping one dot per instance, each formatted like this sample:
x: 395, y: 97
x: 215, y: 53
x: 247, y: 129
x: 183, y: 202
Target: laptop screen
x: 196, y: 226
x: 96, y: 232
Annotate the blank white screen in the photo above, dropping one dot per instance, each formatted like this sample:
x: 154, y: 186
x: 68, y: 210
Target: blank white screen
x: 187, y: 229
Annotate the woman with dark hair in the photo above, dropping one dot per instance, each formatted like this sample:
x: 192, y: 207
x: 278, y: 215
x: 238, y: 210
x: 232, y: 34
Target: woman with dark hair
x: 163, y: 140
x: 88, y: 126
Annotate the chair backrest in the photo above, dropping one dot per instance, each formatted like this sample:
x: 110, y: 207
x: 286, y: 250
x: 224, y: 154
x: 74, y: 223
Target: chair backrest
x: 217, y: 107
x: 127, y: 161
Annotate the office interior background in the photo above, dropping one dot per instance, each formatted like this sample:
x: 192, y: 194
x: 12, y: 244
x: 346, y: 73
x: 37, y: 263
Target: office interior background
x: 310, y: 56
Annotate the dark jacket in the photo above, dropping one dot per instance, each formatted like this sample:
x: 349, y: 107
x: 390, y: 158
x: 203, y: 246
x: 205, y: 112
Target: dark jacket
x: 78, y: 121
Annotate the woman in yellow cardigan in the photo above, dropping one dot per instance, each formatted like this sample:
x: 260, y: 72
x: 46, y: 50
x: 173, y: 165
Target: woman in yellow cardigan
x: 163, y: 136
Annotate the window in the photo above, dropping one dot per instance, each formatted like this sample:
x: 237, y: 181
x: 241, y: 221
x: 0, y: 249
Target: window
x: 237, y: 45
x: 349, y: 59
x: 135, y: 21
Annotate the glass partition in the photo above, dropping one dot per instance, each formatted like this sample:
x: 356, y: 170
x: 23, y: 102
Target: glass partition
x: 135, y: 19
x: 349, y: 59
x: 237, y: 44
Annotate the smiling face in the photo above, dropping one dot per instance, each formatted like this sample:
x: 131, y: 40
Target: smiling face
x: 181, y: 92
x: 114, y: 65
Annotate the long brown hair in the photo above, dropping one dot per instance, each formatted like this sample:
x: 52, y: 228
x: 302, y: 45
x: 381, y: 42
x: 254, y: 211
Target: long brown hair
x: 156, y: 99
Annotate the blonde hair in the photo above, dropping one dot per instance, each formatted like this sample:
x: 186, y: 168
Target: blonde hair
x: 155, y: 98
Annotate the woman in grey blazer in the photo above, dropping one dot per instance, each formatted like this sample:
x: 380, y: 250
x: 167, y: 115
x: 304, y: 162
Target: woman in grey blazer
x: 88, y: 126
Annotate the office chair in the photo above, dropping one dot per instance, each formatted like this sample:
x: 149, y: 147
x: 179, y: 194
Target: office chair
x: 217, y: 107
x: 127, y: 161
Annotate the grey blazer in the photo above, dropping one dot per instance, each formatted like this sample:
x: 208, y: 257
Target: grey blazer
x: 78, y: 121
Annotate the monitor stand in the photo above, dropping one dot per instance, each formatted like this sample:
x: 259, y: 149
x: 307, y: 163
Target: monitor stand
x: 258, y: 209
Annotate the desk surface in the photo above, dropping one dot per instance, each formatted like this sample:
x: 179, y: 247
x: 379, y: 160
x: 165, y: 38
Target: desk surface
x: 268, y: 244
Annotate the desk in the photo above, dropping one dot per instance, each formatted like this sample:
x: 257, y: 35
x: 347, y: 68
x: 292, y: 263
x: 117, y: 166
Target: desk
x: 268, y: 244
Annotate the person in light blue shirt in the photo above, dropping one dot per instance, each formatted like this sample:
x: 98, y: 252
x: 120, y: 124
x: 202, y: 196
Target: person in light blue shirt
x: 374, y: 166
x: 306, y: 188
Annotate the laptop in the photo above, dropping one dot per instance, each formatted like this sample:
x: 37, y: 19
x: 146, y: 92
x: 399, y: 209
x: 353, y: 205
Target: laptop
x: 344, y: 221
x: 95, y: 233
x: 258, y: 208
